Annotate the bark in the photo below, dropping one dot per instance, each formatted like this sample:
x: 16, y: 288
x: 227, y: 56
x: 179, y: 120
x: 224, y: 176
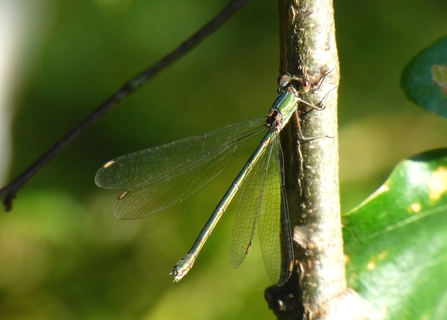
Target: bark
x: 317, y: 288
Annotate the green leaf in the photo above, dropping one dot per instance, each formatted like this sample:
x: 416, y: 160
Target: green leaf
x: 424, y: 78
x: 396, y: 242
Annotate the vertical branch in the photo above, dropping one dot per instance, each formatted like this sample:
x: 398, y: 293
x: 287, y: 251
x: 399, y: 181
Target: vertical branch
x: 317, y: 288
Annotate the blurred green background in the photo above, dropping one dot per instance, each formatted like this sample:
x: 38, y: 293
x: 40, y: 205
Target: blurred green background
x: 63, y: 255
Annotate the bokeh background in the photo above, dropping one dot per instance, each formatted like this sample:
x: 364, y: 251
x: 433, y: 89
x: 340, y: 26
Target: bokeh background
x: 63, y: 255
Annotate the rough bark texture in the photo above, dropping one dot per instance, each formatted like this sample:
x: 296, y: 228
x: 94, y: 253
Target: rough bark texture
x: 317, y: 288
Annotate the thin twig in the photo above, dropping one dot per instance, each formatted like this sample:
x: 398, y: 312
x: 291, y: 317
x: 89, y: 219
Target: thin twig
x: 9, y: 192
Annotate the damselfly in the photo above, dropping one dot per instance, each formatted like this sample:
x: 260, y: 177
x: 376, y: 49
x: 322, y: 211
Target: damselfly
x: 159, y: 177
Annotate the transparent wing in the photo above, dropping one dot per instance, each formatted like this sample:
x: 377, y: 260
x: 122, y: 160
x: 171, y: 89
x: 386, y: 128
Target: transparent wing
x: 274, y: 223
x: 248, y: 208
x: 160, y: 177
x: 263, y: 204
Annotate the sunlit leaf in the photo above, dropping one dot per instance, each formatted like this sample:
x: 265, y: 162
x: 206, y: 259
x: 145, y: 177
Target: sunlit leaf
x: 396, y: 242
x: 424, y: 79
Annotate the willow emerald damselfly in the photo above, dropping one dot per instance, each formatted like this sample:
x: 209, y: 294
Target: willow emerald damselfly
x: 157, y: 178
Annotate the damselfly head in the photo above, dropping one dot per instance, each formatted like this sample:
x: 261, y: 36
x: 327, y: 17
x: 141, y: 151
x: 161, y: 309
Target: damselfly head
x: 304, y: 83
x: 300, y: 85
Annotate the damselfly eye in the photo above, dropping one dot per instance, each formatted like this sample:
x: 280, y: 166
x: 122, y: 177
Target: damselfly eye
x: 306, y: 85
x: 284, y: 80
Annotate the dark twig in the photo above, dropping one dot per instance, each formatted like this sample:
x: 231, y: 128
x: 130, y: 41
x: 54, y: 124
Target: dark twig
x: 9, y: 192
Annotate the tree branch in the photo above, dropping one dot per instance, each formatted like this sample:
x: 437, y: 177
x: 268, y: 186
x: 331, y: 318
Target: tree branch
x: 317, y: 288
